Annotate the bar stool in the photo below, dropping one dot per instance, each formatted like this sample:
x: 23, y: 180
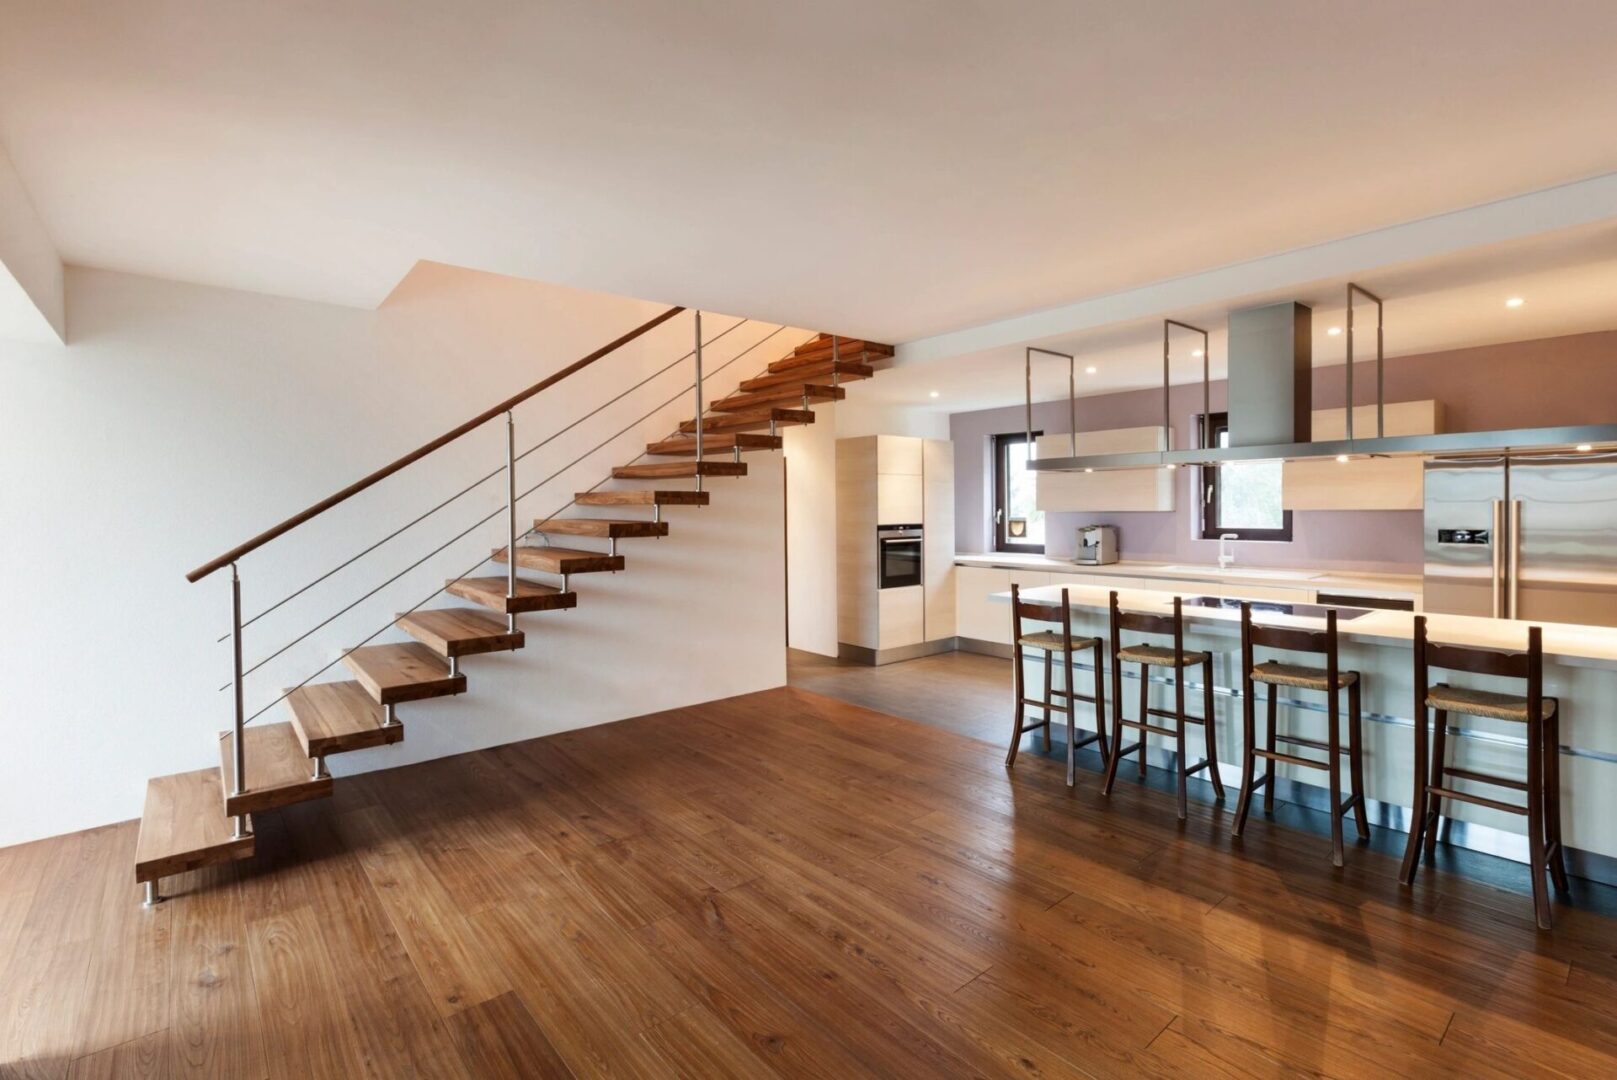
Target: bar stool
x: 1051, y: 643
x: 1329, y: 680
x: 1542, y: 784
x: 1148, y: 657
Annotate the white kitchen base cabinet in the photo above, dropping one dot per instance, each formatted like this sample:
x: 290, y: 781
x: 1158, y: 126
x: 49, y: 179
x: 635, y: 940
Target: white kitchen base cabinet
x: 900, y: 617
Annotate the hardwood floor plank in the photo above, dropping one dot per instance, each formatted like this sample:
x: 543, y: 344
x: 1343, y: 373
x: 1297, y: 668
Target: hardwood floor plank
x: 499, y: 1038
x: 300, y: 1001
x: 785, y: 884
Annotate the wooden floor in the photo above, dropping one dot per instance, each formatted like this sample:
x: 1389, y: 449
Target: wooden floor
x: 780, y: 884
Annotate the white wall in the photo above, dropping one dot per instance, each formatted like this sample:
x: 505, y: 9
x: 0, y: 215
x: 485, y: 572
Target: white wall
x: 855, y: 418
x: 181, y: 420
x: 30, y: 271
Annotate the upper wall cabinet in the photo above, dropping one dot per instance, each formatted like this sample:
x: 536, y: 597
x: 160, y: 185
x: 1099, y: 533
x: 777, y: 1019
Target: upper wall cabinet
x: 1118, y: 489
x: 1363, y: 483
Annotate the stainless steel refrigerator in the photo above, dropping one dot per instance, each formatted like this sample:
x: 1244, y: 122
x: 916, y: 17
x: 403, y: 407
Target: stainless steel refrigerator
x: 1530, y: 537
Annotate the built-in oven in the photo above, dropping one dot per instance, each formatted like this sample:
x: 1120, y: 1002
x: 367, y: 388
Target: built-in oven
x: 898, y: 556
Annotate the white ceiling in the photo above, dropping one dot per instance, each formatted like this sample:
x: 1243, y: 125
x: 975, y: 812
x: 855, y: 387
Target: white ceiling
x: 893, y: 170
x: 1567, y: 281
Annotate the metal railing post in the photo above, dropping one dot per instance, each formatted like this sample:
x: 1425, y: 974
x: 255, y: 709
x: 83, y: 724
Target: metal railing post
x: 699, y: 401
x: 510, y: 517
x: 1381, y: 384
x: 1027, y: 381
x: 238, y: 756
x: 836, y: 358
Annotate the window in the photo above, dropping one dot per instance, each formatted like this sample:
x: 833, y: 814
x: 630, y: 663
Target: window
x: 1018, y: 523
x: 1242, y: 497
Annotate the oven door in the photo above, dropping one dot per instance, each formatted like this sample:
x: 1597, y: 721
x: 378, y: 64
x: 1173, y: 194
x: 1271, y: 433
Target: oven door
x: 899, y: 559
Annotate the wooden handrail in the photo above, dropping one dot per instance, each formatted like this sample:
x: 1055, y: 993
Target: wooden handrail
x: 415, y: 455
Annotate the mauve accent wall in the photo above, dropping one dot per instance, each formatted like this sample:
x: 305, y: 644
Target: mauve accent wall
x: 1565, y: 380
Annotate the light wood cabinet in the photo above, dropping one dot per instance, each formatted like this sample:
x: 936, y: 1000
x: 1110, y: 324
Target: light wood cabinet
x: 937, y: 474
x: 1363, y: 483
x: 1106, y: 490
x: 894, y: 480
x: 901, y: 618
x: 976, y: 616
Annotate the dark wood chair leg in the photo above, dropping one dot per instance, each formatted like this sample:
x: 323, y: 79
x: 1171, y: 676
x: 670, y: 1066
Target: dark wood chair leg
x: 1334, y: 770
x: 1049, y: 716
x: 1440, y: 761
x: 1268, y: 764
x: 1249, y: 758
x: 1072, y: 726
x: 1210, y: 713
x: 1535, y: 823
x: 1145, y: 716
x: 1417, y: 812
x: 1020, y: 711
x: 1361, y: 813
x: 1552, y: 798
x: 1100, y: 704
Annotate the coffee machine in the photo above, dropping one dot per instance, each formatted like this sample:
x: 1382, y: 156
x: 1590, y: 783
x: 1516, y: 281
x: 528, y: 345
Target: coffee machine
x: 1097, y: 545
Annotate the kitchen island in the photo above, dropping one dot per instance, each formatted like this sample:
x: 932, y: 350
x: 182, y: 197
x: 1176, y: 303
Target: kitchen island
x: 1580, y: 668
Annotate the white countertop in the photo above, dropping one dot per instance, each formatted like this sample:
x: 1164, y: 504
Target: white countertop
x: 1583, y: 646
x: 1400, y: 586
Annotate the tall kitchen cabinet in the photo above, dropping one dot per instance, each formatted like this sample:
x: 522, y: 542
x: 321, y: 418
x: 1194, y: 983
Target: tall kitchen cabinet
x: 894, y: 480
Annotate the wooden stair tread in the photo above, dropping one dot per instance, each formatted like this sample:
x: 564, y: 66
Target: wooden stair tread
x: 405, y: 672
x: 816, y: 392
x: 819, y: 371
x: 531, y: 595
x: 336, y: 717
x: 458, y: 631
x: 610, y: 528
x: 815, y: 352
x: 673, y: 470
x: 183, y: 827
x: 555, y: 560
x: 711, y: 443
x: 642, y: 497
x: 279, y: 773
x: 753, y: 420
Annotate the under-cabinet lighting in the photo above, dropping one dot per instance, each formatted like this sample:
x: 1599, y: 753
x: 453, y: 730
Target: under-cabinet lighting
x: 1515, y: 301
x: 1089, y: 470
x: 1584, y: 448
x: 1171, y: 465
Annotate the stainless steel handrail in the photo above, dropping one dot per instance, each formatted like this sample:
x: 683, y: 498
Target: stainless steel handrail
x: 486, y: 478
x: 490, y: 517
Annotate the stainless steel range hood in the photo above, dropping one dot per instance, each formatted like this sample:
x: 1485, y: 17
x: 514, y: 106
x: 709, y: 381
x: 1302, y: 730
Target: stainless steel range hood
x: 1269, y: 396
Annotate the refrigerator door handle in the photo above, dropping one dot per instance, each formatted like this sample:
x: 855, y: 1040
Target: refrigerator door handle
x: 1496, y: 548
x: 1513, y: 571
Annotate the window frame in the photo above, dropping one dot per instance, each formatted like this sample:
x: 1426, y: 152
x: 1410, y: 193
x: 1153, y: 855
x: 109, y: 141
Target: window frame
x: 1207, y: 492
x: 1002, y: 542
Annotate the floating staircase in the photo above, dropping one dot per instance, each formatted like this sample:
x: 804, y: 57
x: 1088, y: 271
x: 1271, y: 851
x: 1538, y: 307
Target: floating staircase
x: 200, y: 818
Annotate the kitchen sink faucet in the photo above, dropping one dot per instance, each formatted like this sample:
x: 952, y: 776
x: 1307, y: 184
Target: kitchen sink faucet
x: 1226, y: 554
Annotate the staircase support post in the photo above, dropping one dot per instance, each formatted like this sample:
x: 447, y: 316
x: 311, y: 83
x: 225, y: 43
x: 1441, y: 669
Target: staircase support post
x: 699, y: 424
x: 238, y: 756
x: 510, y: 516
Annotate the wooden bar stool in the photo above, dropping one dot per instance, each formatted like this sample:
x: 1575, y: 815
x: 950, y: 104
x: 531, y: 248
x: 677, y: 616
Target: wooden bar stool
x: 1329, y: 680
x: 1176, y: 659
x: 1052, y: 643
x: 1542, y: 784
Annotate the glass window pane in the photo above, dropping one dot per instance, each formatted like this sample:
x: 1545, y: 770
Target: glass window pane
x: 1021, y: 497
x: 1249, y: 496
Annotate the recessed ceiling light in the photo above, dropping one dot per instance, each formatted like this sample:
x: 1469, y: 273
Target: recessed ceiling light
x: 1090, y: 370
x: 1171, y: 465
x: 934, y: 394
x: 1196, y: 352
x: 1584, y: 448
x: 1515, y: 301
x: 1333, y: 331
x: 1342, y: 458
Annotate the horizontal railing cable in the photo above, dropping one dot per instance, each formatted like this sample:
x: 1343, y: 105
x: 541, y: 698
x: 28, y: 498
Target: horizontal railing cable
x: 479, y: 482
x: 475, y: 526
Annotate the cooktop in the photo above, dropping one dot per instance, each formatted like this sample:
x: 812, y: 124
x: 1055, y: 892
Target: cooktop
x: 1301, y: 611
